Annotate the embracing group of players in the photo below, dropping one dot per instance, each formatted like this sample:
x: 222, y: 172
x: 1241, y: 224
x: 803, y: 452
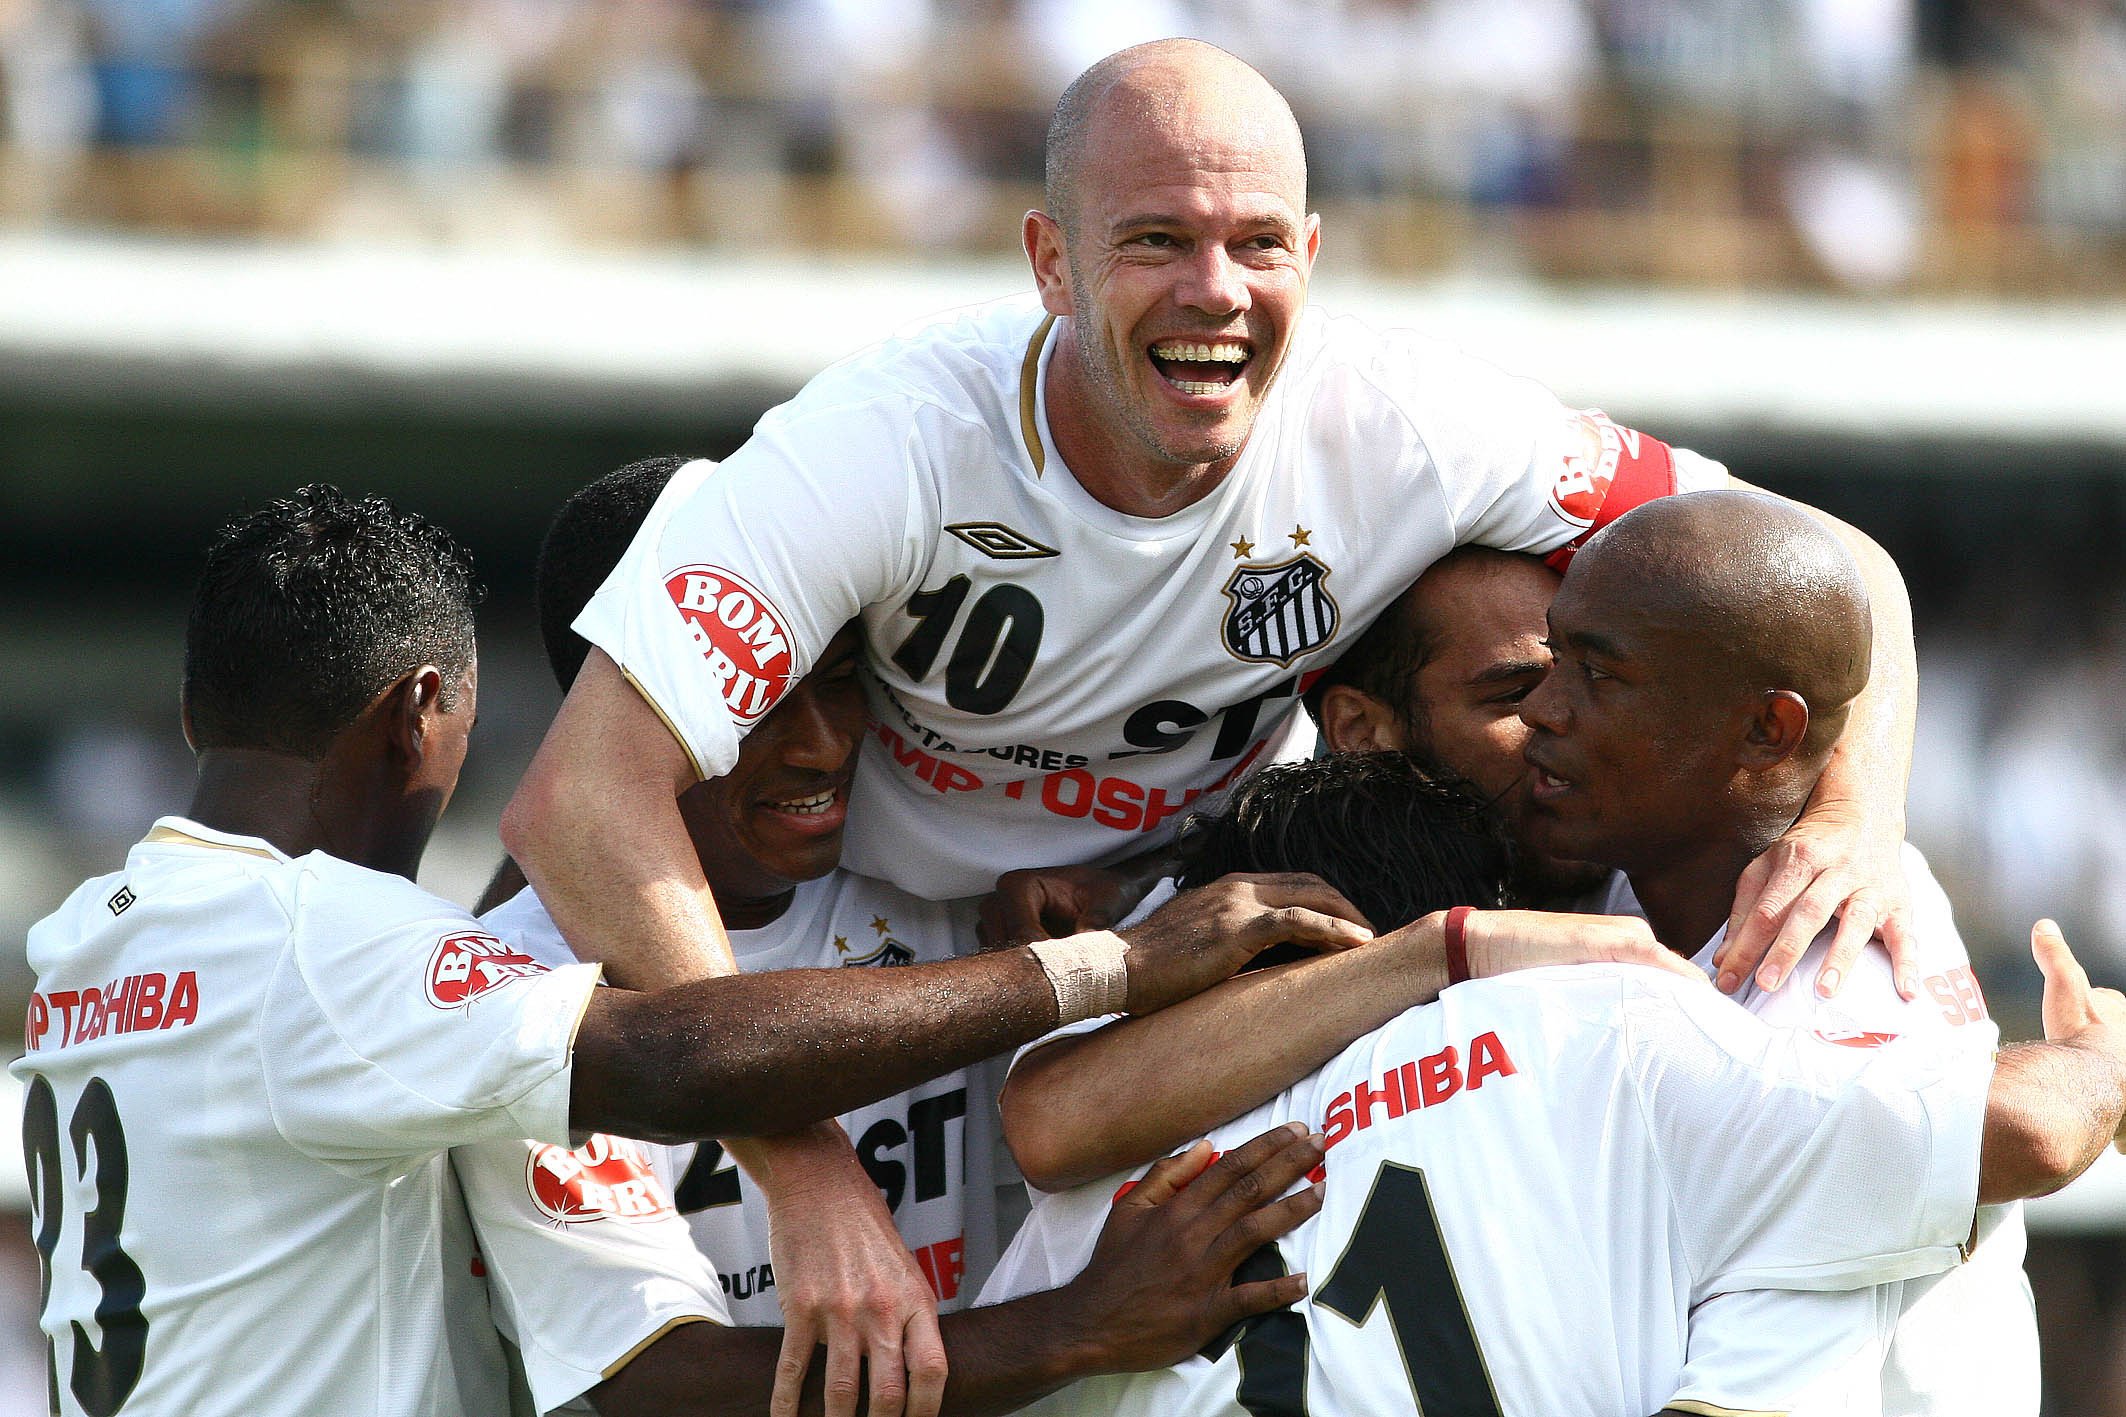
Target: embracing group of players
x: 1006, y: 631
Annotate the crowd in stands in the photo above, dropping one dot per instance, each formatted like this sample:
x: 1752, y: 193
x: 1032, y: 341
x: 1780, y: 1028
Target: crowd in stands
x: 1857, y: 143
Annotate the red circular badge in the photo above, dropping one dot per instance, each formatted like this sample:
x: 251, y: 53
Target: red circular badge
x: 467, y: 965
x: 740, y: 632
x: 607, y: 1178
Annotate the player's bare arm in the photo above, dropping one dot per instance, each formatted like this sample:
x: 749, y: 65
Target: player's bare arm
x: 595, y: 824
x: 2056, y: 1105
x: 1841, y: 858
x: 1209, y: 1058
x: 1159, y: 1286
x: 751, y: 1054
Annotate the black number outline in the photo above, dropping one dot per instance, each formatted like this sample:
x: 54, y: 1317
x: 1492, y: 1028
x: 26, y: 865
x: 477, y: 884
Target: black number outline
x: 101, y: 1379
x: 994, y: 654
x: 707, y: 1184
x: 1395, y: 1250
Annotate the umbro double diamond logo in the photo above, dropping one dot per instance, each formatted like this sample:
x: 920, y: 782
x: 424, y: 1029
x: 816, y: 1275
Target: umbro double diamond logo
x: 999, y: 542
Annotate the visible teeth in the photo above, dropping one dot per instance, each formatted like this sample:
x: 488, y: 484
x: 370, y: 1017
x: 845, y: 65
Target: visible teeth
x: 1224, y: 352
x: 806, y: 806
x: 1198, y: 386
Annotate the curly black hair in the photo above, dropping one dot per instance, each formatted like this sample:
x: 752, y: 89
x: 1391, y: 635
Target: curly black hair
x: 1398, y: 842
x: 310, y: 607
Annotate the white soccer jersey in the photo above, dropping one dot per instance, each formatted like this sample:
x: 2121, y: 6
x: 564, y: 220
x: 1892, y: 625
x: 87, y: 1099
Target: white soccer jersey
x: 586, y: 1258
x: 1532, y: 1184
x: 242, y: 1073
x: 926, y: 1148
x: 1009, y: 615
x: 1984, y: 1306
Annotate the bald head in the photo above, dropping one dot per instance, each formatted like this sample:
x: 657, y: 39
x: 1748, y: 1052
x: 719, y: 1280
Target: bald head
x: 1167, y: 92
x: 1751, y: 590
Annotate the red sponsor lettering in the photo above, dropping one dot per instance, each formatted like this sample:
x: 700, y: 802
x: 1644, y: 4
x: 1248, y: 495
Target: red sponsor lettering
x: 1958, y: 994
x: 739, y: 631
x: 943, y: 1265
x: 607, y: 1178
x: 1439, y: 1077
x: 1364, y: 1098
x: 1487, y: 1059
x: 136, y: 1003
x: 941, y: 775
x: 464, y: 966
x: 1419, y: 1083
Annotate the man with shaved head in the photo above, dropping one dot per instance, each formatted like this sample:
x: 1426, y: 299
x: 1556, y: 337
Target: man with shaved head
x: 1097, y: 541
x: 1708, y: 651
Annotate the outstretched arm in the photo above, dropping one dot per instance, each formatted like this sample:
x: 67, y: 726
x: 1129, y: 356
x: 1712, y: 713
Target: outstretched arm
x: 1209, y: 1058
x: 756, y: 1053
x: 1842, y: 857
x: 2056, y: 1105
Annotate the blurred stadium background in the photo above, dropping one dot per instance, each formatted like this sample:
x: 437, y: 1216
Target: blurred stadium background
x: 471, y: 253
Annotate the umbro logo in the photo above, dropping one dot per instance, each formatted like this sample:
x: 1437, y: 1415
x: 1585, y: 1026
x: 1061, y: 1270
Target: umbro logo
x: 123, y: 901
x: 999, y: 542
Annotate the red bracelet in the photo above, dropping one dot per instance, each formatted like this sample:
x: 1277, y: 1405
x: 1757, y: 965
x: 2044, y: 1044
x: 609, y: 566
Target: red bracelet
x: 1458, y: 945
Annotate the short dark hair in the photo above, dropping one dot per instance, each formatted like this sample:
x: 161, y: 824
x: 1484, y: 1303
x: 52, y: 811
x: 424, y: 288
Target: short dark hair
x: 1384, y: 661
x: 313, y: 605
x: 1398, y: 842
x: 588, y: 537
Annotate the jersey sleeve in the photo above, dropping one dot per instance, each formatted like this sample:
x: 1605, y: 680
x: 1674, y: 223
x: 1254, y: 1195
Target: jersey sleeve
x: 1519, y: 470
x: 1056, y: 1241
x: 587, y: 1260
x: 731, y: 589
x: 1788, y: 1353
x: 381, y: 1044
x: 1796, y: 1162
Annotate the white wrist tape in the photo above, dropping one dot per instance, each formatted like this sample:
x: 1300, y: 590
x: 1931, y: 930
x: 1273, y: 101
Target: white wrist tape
x: 1087, y: 972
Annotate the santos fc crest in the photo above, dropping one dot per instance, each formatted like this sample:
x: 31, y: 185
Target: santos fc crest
x: 1279, y: 612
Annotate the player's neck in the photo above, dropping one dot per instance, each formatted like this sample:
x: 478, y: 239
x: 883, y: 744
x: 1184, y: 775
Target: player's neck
x: 754, y: 914
x: 1109, y: 463
x: 1688, y: 898
x: 300, y: 805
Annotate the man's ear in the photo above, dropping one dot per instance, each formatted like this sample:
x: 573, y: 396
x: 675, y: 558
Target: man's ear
x: 1354, y: 721
x: 408, y: 709
x: 1050, y: 259
x: 1777, y: 725
x: 184, y: 720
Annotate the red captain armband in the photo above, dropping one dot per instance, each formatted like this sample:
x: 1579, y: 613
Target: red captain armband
x: 1607, y: 470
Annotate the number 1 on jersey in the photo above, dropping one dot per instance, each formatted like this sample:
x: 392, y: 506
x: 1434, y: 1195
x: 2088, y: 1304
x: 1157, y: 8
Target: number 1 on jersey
x: 1396, y: 1259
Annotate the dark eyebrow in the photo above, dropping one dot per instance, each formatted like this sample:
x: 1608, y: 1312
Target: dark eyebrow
x: 1508, y: 669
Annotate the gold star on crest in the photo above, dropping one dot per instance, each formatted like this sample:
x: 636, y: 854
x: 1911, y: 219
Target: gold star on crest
x: 841, y: 944
x: 1299, y: 535
x: 1241, y: 548
x: 878, y: 923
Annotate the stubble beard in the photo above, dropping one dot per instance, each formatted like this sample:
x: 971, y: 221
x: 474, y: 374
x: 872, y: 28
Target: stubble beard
x: 1112, y: 386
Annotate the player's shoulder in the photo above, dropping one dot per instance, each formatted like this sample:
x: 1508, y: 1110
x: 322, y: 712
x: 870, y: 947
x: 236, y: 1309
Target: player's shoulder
x: 337, y: 905
x: 964, y: 363
x: 1392, y: 384
x: 1409, y: 366
x: 1584, y: 1008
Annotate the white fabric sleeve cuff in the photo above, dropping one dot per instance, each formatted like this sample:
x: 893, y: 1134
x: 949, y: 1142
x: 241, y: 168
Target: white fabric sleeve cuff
x: 549, y: 1030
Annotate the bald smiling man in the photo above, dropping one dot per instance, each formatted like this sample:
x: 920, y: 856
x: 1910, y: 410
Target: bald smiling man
x: 1098, y: 539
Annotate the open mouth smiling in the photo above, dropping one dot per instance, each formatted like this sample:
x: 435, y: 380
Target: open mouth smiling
x: 1201, y: 367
